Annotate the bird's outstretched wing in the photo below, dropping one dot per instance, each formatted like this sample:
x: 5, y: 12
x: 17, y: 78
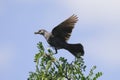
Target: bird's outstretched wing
x: 64, y: 29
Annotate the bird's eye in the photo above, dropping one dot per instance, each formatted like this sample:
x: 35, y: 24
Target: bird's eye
x: 40, y: 31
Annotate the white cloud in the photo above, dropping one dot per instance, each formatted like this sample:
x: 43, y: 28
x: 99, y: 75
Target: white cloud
x: 105, y: 48
x: 7, y: 53
x: 103, y: 11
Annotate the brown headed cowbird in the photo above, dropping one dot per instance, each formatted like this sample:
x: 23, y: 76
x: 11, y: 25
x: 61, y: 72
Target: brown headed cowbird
x: 60, y: 34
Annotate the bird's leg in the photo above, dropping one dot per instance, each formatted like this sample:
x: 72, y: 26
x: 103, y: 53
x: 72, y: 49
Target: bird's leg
x: 55, y: 50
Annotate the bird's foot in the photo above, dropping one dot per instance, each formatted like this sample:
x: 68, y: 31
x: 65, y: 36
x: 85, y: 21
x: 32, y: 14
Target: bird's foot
x: 55, y: 51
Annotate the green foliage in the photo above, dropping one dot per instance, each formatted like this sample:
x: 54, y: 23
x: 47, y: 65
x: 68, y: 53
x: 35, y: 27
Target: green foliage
x: 50, y: 68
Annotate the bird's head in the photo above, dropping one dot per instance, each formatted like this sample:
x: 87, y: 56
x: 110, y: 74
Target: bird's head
x: 42, y: 32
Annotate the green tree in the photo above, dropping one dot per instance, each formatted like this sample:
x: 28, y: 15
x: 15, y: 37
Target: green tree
x: 50, y: 68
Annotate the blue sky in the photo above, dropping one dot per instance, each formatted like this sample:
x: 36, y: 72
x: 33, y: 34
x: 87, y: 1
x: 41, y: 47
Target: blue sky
x: 98, y: 30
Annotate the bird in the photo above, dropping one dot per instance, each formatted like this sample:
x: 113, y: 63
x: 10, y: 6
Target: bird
x: 59, y: 36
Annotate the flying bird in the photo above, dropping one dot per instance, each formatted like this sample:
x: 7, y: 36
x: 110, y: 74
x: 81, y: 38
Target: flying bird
x: 59, y: 36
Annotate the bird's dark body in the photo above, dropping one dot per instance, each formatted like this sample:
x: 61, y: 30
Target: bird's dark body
x: 56, y: 42
x: 60, y: 34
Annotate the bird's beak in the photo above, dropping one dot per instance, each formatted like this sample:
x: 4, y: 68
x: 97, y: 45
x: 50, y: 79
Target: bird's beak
x: 36, y: 33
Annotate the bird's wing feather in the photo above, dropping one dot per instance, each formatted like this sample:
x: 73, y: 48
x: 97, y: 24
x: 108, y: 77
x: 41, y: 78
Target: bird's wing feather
x: 64, y: 29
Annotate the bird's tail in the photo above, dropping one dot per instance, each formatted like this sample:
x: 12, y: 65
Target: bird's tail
x: 76, y: 49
